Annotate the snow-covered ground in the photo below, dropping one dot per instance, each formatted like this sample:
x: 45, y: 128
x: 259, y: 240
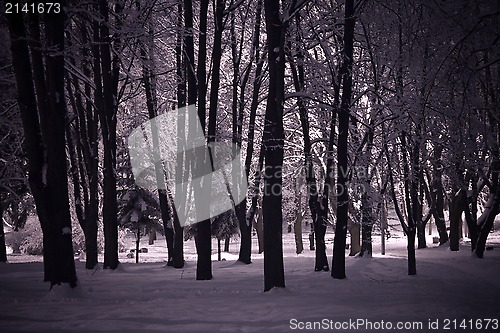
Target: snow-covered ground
x: 450, y: 289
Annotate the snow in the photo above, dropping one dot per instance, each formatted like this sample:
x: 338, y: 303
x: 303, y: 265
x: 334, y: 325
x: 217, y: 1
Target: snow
x: 151, y: 297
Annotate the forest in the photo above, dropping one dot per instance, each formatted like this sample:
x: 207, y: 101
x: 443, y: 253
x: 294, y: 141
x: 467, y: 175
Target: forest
x: 340, y: 113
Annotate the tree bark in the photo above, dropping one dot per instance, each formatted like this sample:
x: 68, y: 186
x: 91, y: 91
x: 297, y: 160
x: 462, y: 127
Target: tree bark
x: 274, y: 275
x: 355, y: 231
x: 317, y: 206
x: 338, y: 261
x: 491, y: 209
x: 151, y: 103
x: 245, y: 224
x: 180, y: 56
x: 108, y: 119
x: 48, y: 179
x: 3, y: 249
x: 437, y: 195
x: 366, y: 225
x: 458, y: 201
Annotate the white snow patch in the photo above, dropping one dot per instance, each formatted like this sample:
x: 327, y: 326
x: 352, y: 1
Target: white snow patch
x: 152, y: 298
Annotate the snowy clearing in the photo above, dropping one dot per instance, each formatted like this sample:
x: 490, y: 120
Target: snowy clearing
x: 150, y: 297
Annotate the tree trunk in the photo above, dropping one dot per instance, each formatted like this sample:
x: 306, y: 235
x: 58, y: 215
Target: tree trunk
x: 108, y: 121
x: 34, y: 147
x: 274, y: 275
x: 259, y: 228
x: 318, y: 207
x: 3, y: 249
x: 137, y: 243
x: 412, y: 261
x: 456, y: 209
x: 437, y: 195
x: 321, y: 261
x: 355, y: 231
x: 89, y: 120
x: 297, y: 229
x: 471, y: 214
x: 366, y: 225
x: 485, y: 221
x: 338, y: 261
x: 299, y: 216
x: 151, y: 103
x: 48, y: 180
x: 245, y: 253
x: 177, y: 259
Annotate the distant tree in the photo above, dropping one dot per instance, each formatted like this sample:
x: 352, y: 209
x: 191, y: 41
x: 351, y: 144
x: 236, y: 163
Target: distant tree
x: 224, y: 226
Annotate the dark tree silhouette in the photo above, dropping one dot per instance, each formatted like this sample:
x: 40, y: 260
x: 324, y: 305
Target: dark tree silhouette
x: 46, y: 152
x: 338, y: 261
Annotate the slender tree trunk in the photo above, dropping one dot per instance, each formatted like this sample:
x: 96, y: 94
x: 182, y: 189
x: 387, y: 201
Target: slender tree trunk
x: 92, y: 212
x: 355, y: 231
x: 366, y: 225
x: 150, y: 88
x: 411, y: 226
x: 259, y: 228
x: 318, y: 207
x: 299, y: 216
x: 178, y: 240
x: 246, y: 224
x: 471, y: 214
x: 3, y: 249
x: 246, y: 236
x: 338, y: 262
x: 437, y: 195
x: 137, y: 243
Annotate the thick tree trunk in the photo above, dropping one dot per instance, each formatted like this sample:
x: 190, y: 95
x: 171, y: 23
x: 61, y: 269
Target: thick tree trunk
x: 485, y: 221
x: 274, y: 275
x: 321, y: 261
x: 108, y: 121
x: 412, y: 261
x: 34, y: 147
x: 48, y: 180
x: 57, y: 181
x: 338, y: 261
x: 456, y: 208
